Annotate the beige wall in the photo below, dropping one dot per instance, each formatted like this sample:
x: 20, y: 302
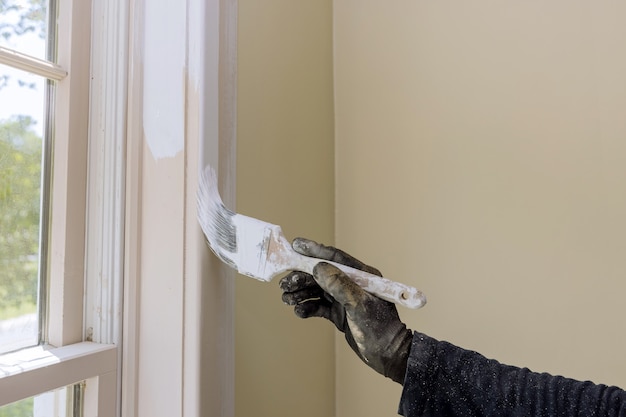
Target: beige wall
x: 284, y: 366
x: 481, y: 156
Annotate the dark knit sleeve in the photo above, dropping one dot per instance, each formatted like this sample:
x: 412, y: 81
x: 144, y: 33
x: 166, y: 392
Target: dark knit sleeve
x: 445, y: 380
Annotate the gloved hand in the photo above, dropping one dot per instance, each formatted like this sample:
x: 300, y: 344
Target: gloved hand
x: 371, y: 325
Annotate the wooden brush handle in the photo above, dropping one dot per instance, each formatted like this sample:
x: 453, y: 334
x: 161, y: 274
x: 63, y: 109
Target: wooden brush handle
x: 384, y: 288
x: 285, y: 258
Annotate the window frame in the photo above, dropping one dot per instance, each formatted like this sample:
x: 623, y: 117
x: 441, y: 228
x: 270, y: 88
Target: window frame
x: 193, y: 366
x: 198, y: 338
x: 65, y: 358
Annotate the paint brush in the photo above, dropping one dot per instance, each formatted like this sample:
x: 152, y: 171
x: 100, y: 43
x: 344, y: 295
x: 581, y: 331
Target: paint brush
x: 260, y: 250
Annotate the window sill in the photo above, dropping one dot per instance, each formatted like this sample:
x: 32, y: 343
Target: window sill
x: 39, y: 369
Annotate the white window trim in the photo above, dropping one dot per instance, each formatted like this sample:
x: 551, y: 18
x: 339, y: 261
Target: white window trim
x: 203, y: 329
x: 69, y: 173
x: 104, y: 263
x: 31, y: 64
x: 37, y: 370
x: 197, y: 378
x: 106, y: 203
x: 68, y: 359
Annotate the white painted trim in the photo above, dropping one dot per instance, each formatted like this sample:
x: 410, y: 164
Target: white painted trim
x: 37, y: 370
x: 67, y: 223
x: 98, y: 393
x: 132, y: 238
x: 194, y: 290
x: 32, y: 371
x: 209, y: 285
x: 191, y: 388
x: 106, y: 172
x: 228, y: 98
x: 31, y: 64
x: 104, y: 252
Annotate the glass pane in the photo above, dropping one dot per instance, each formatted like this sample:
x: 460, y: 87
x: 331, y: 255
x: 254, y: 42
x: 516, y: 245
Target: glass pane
x: 22, y: 408
x: 23, y: 26
x: 21, y: 131
x: 62, y: 402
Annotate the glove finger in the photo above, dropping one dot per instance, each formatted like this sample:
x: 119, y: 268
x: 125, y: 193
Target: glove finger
x: 296, y: 280
x: 313, y: 308
x: 297, y: 297
x: 317, y: 250
x: 344, y: 290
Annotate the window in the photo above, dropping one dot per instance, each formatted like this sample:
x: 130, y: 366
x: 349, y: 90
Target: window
x: 57, y: 402
x: 117, y: 210
x: 21, y: 142
x: 24, y: 36
x: 51, y: 250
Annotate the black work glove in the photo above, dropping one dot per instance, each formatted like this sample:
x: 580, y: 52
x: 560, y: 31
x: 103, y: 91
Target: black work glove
x: 371, y: 325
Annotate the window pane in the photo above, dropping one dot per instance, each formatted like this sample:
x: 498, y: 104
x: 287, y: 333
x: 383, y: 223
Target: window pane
x: 23, y: 26
x: 22, y: 408
x: 21, y: 131
x: 62, y: 402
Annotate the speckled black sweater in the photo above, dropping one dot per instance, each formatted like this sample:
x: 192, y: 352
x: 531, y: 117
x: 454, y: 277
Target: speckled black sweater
x: 445, y: 380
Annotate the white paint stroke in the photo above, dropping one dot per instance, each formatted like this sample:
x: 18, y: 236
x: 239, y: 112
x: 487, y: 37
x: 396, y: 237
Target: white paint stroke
x: 164, y: 77
x: 196, y: 39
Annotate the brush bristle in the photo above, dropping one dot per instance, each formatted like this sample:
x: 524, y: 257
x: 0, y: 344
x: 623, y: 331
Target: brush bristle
x: 215, y: 218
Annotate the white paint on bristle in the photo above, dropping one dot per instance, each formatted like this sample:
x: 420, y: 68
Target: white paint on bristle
x: 252, y: 234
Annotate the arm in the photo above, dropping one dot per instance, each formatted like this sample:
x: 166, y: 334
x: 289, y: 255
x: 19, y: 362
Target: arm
x: 445, y: 380
x: 439, y: 379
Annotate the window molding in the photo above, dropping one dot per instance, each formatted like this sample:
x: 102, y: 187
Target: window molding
x: 36, y: 370
x: 31, y: 64
x: 106, y: 199
x: 194, y: 326
x: 104, y: 263
x: 84, y: 251
x: 69, y: 173
x: 118, y: 183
